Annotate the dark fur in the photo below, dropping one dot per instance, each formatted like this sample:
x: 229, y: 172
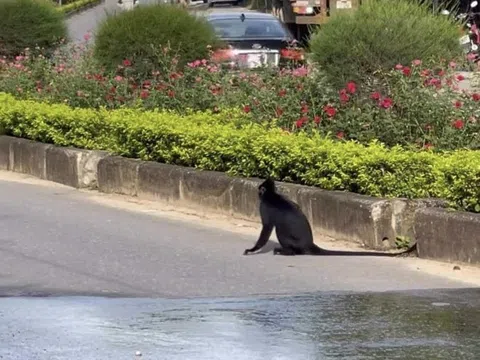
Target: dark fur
x: 293, y: 230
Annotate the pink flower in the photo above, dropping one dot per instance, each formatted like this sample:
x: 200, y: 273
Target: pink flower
x: 471, y: 56
x: 458, y: 104
x: 127, y: 63
x: 344, y: 96
x: 375, y: 96
x: 340, y: 134
x: 299, y: 123
x: 417, y: 62
x: 351, y: 87
x: 386, y: 103
x: 452, y: 64
x: 407, y: 71
x: 87, y: 36
x: 460, y: 77
x: 118, y: 78
x: 458, y: 124
x: 476, y: 97
x: 247, y: 109
x: 398, y: 67
x: 330, y: 110
x: 300, y: 72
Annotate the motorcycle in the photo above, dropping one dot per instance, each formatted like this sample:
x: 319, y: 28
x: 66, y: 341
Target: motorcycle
x: 471, y: 40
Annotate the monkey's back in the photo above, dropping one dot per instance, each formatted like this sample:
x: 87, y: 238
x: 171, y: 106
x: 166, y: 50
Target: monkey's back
x: 289, y: 219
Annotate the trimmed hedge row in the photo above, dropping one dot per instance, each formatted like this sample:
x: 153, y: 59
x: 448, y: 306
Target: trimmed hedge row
x: 77, y: 5
x: 216, y: 142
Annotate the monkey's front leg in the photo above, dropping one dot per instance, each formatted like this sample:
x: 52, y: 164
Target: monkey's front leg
x: 262, y: 239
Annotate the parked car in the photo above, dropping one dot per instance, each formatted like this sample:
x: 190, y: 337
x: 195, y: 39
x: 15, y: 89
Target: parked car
x: 254, y: 39
x: 211, y: 3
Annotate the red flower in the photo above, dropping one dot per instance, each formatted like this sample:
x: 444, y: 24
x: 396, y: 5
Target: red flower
x: 340, y: 134
x: 304, y: 109
x: 458, y: 124
x: 386, y: 103
x: 144, y: 94
x: 476, y: 97
x: 282, y: 93
x: 407, y: 71
x: 247, y: 109
x: 351, y: 87
x: 127, y: 63
x: 147, y: 84
x: 299, y: 123
x: 344, y: 96
x: 441, y: 72
x: 458, y: 104
x: 171, y: 93
x: 375, y: 96
x: 279, y: 111
x: 317, y: 119
x: 330, y: 110
x: 460, y: 77
x: 427, y: 146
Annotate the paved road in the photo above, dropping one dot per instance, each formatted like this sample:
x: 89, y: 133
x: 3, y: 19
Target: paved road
x: 56, y: 240
x: 87, y: 21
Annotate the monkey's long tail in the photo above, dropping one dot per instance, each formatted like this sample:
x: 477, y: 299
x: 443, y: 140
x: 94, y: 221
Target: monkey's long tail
x: 316, y: 250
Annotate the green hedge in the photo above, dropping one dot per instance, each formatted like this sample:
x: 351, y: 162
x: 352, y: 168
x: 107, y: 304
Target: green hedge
x: 77, y: 5
x: 211, y: 141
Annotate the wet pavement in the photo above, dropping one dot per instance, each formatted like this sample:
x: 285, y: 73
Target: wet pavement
x: 432, y: 324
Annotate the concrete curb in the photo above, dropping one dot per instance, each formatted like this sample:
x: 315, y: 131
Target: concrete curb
x: 375, y: 223
x: 68, y: 166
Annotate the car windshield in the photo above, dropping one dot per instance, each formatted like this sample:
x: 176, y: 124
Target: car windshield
x: 250, y: 28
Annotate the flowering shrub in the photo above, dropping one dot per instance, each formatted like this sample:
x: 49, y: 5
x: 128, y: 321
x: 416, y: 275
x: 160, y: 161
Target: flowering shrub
x: 417, y: 107
x: 207, y: 141
x: 380, y: 34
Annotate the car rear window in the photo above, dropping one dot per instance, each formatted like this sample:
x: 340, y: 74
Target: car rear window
x: 250, y: 28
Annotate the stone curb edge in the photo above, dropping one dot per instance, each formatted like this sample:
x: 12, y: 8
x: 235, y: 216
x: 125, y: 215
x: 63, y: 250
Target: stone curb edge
x: 376, y: 223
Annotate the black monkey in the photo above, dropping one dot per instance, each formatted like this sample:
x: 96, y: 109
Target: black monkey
x: 293, y: 230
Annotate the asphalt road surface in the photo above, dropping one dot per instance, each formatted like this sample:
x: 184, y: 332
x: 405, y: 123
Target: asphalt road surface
x: 88, y: 21
x: 57, y: 240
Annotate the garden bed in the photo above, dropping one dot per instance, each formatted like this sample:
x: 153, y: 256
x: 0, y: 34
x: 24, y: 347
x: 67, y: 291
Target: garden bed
x: 211, y: 142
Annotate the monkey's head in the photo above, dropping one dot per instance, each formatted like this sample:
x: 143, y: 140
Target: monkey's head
x: 268, y: 186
